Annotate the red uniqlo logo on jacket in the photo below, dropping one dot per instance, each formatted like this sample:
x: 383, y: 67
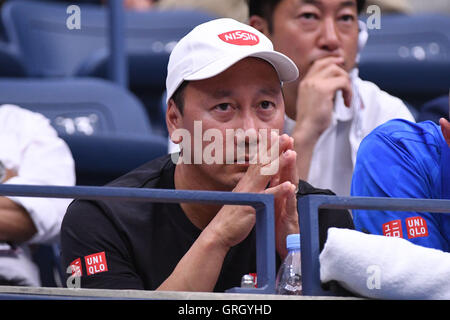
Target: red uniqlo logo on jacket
x: 393, y: 229
x: 240, y: 38
x: 96, y: 263
x: 76, y: 267
x: 416, y: 227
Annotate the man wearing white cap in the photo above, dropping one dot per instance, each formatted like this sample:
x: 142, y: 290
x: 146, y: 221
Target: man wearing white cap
x: 222, y: 76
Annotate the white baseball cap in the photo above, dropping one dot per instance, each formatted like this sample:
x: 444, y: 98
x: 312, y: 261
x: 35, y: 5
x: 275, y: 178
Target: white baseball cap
x: 214, y: 46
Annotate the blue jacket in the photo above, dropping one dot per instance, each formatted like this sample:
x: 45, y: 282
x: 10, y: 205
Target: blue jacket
x: 402, y: 159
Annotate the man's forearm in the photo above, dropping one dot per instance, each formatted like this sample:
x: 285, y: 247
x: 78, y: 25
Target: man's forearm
x: 15, y: 222
x: 200, y: 267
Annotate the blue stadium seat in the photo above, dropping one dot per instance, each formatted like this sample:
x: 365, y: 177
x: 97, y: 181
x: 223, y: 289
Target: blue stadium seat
x: 49, y: 49
x: 85, y: 106
x: 409, y: 56
x: 100, y: 159
x: 435, y: 109
x: 105, y: 126
x: 10, y: 64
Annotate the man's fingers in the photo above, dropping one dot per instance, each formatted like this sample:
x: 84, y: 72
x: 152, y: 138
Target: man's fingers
x: 340, y: 83
x: 281, y: 190
x: 266, y: 165
x: 292, y: 213
x: 271, y: 158
x: 322, y: 63
x: 288, y: 167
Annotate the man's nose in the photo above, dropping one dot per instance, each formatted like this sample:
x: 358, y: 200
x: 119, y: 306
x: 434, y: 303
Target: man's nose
x: 249, y: 126
x: 329, y: 37
x: 248, y: 122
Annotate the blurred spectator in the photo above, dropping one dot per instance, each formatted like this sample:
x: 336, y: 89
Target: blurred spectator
x: 435, y: 109
x: 30, y: 153
x: 235, y: 9
x: 391, y: 6
x: 330, y: 109
x: 401, y: 159
x: 139, y: 5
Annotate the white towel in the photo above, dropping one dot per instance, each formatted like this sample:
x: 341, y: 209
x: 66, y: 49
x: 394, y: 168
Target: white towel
x: 381, y: 267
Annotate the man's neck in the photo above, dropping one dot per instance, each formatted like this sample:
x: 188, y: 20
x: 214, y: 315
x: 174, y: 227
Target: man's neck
x: 187, y: 178
x: 290, y: 99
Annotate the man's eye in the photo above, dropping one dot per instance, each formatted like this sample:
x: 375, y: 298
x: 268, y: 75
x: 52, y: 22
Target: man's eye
x: 308, y: 16
x: 348, y: 18
x: 223, y: 107
x: 266, y: 105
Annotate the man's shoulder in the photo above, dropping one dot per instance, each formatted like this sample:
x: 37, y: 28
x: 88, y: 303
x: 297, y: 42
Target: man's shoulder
x: 18, y: 119
x: 404, y: 131
x: 147, y: 175
x: 373, y: 91
x: 305, y: 189
x: 398, y: 143
x: 153, y: 174
x: 378, y: 106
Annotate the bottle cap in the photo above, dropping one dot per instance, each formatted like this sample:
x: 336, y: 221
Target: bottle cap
x: 293, y: 241
x: 247, y: 281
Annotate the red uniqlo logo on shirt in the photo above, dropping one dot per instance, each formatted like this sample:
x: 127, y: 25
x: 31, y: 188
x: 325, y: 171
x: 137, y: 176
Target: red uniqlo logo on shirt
x: 76, y: 267
x: 417, y: 227
x: 96, y: 263
x: 393, y: 229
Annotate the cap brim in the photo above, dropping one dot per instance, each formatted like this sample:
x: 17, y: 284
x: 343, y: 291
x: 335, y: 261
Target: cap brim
x: 286, y: 69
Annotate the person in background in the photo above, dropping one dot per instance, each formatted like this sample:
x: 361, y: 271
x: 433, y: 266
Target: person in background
x: 329, y: 109
x: 401, y: 159
x: 138, y: 5
x: 31, y: 153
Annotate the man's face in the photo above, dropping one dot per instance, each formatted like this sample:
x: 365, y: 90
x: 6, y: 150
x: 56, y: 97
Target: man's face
x: 307, y: 30
x: 246, y: 96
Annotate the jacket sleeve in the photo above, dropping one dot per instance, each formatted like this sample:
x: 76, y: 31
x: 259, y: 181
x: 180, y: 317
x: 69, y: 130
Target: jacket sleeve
x: 39, y: 157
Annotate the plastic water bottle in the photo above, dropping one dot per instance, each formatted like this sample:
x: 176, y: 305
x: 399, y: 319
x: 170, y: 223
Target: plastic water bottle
x: 247, y: 281
x: 289, y: 277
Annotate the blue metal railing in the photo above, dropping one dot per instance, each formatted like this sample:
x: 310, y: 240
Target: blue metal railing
x: 308, y: 208
x: 263, y: 203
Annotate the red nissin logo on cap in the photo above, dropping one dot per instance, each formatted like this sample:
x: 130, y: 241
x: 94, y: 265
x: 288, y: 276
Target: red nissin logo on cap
x: 240, y: 38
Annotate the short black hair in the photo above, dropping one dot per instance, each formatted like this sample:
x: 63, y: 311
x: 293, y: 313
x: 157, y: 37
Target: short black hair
x: 178, y: 96
x: 266, y: 8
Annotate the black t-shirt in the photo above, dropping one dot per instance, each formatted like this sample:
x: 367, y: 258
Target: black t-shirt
x: 136, y: 245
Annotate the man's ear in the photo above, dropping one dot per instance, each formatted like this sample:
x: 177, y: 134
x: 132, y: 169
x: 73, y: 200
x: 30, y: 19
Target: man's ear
x: 259, y: 24
x: 174, y: 119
